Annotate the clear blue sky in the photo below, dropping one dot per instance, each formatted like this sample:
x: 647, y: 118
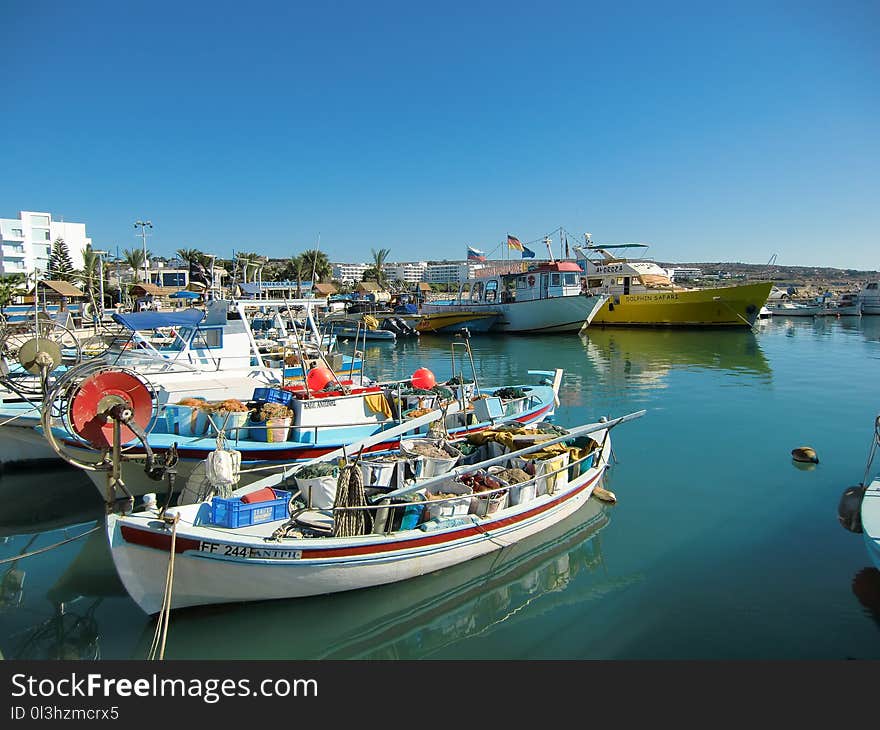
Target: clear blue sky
x: 713, y: 133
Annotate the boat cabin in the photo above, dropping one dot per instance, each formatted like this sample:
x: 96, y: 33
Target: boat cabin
x: 618, y: 276
x: 547, y: 281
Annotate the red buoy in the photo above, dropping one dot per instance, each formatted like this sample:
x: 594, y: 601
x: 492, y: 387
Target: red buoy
x: 424, y: 379
x: 317, y: 378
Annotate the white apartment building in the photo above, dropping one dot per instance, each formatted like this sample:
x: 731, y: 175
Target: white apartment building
x: 349, y: 273
x: 451, y: 272
x: 684, y: 273
x: 26, y: 242
x: 411, y: 272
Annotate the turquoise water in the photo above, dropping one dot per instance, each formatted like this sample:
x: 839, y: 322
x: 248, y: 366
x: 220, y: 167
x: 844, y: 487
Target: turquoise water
x: 719, y: 545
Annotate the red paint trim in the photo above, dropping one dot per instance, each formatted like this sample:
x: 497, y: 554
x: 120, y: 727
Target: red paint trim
x: 157, y: 540
x: 162, y: 541
x: 306, y: 453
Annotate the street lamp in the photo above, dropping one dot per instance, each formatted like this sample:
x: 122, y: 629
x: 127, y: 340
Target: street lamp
x: 101, y: 281
x: 143, y: 225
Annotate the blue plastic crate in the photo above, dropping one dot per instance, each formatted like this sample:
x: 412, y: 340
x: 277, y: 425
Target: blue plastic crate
x: 273, y: 395
x: 235, y: 513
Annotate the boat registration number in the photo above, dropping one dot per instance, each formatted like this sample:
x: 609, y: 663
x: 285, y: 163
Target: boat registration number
x: 245, y: 551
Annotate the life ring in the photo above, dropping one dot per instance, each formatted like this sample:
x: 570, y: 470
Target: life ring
x: 531, y: 280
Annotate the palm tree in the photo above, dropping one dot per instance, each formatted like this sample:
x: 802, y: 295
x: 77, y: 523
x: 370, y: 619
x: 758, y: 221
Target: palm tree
x: 376, y: 272
x: 188, y: 255
x: 134, y: 257
x: 317, y: 265
x: 297, y: 268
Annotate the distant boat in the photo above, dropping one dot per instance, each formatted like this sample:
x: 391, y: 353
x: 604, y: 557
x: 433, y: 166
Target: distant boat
x: 845, y: 305
x: 789, y: 308
x: 641, y: 293
x: 869, y: 296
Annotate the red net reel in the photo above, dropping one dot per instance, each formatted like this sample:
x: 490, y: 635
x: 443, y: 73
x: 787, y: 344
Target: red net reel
x: 100, y: 392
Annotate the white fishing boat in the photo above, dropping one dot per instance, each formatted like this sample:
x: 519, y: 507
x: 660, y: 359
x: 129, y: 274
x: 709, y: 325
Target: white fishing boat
x: 214, y: 354
x: 190, y: 555
x: 543, y: 300
x: 843, y: 305
x: 869, y: 296
x: 272, y: 428
x: 791, y: 308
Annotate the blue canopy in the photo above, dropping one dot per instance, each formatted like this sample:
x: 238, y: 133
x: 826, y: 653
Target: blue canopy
x: 185, y: 295
x: 153, y: 320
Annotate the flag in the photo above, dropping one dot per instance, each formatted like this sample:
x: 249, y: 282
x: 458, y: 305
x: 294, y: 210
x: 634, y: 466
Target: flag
x: 513, y: 242
x: 474, y: 254
x: 527, y: 253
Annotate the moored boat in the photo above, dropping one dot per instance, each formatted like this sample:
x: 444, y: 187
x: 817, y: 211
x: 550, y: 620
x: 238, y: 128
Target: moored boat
x: 545, y: 299
x: 641, y: 293
x: 869, y: 297
x: 859, y: 507
x: 304, y: 553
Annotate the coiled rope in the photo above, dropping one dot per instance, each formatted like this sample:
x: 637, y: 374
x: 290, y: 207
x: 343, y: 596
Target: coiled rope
x: 161, y: 633
x: 350, y: 493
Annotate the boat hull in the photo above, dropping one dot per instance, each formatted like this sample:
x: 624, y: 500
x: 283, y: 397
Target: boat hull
x: 218, y: 566
x: 871, y: 521
x: 438, y: 323
x: 734, y: 306
x: 538, y: 316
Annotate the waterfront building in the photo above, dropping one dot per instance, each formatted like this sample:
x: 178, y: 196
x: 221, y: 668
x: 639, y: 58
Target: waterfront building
x: 684, y: 273
x: 410, y: 272
x: 349, y: 273
x: 451, y: 272
x: 26, y: 242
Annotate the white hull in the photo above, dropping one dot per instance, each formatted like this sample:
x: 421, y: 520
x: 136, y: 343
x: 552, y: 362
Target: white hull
x: 208, y: 569
x: 21, y: 444
x: 539, y: 316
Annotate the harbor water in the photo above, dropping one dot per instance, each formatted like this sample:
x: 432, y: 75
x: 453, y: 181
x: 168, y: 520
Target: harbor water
x: 720, y: 546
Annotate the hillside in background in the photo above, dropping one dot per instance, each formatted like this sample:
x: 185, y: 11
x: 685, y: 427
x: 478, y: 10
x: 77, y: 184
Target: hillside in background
x: 807, y: 279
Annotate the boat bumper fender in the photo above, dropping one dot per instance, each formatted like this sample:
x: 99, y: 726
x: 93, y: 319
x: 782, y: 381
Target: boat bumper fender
x: 849, y: 509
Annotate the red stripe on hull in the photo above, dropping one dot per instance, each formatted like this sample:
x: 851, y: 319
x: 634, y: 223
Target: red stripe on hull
x: 306, y: 453
x: 162, y: 541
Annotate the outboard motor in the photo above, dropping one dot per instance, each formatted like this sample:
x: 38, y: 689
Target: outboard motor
x: 388, y: 324
x: 404, y: 328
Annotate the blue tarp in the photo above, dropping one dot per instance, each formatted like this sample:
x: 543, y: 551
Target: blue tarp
x: 185, y: 295
x: 153, y: 320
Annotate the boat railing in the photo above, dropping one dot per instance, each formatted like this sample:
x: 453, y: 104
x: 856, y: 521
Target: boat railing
x: 548, y: 475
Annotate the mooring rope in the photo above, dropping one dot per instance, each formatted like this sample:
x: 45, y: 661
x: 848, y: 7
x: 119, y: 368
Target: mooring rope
x: 875, y: 439
x: 19, y: 415
x: 15, y: 558
x: 161, y: 633
x: 350, y: 493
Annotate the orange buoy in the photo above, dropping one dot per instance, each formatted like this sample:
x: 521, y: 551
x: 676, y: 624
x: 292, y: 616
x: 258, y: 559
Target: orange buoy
x: 424, y: 379
x: 317, y: 378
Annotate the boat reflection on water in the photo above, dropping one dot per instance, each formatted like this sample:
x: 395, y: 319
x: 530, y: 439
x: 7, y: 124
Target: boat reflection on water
x: 866, y: 587
x: 61, y: 496
x: 644, y: 357
x: 70, y: 631
x: 411, y: 619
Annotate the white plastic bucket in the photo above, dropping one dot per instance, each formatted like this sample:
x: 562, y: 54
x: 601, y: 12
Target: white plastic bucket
x: 318, y: 492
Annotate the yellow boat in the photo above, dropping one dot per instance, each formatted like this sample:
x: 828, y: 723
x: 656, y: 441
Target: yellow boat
x: 640, y: 293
